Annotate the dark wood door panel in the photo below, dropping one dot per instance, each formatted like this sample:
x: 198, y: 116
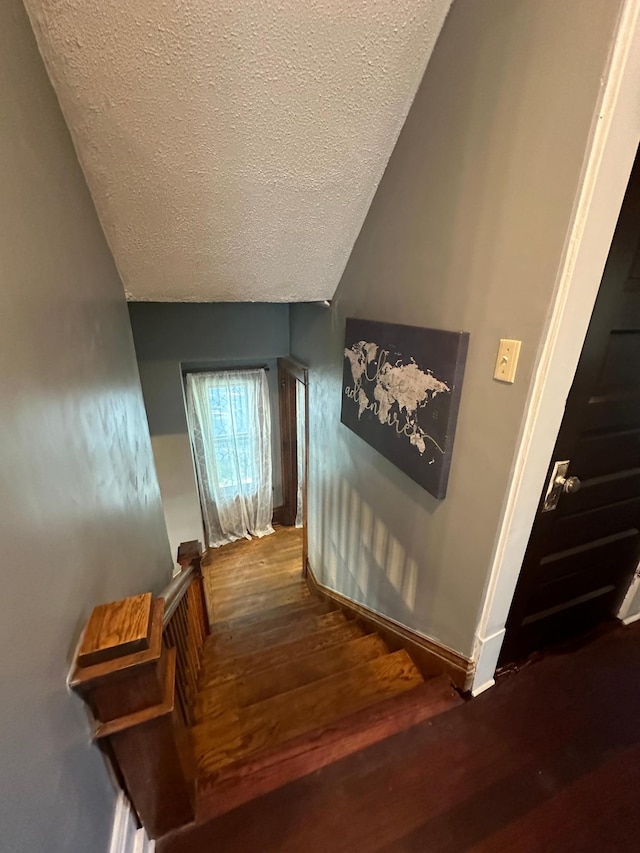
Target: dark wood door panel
x: 597, y: 523
x: 620, y: 364
x: 289, y: 442
x: 598, y: 580
x: 610, y: 550
x: 606, y: 453
x: 628, y: 318
x: 569, y: 619
x: 633, y: 280
x: 600, y: 491
x: 581, y: 571
x: 294, y: 412
x: 609, y: 412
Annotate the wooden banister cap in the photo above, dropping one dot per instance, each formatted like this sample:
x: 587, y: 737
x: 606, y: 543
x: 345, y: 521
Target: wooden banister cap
x: 116, y: 629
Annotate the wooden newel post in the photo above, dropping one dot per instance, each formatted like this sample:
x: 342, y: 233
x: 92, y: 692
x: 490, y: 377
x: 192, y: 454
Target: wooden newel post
x: 126, y: 675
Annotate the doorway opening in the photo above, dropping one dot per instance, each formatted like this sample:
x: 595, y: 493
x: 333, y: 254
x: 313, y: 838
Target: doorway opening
x: 256, y: 583
x: 249, y: 438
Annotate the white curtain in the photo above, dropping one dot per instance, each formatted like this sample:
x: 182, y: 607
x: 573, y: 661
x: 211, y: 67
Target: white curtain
x: 230, y: 427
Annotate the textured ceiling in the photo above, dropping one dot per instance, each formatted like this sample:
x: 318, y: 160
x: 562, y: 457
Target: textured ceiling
x: 232, y: 149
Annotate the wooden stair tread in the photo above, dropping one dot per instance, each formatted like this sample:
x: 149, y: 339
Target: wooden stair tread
x: 240, y: 595
x: 214, y: 671
x: 295, y: 620
x: 287, y: 715
x: 249, y: 569
x: 230, y: 567
x: 253, y: 687
x: 246, y: 584
x: 257, y: 621
x: 217, y: 703
x: 235, y: 643
x: 247, y: 605
x: 258, y: 588
x: 258, y: 565
x: 244, y: 780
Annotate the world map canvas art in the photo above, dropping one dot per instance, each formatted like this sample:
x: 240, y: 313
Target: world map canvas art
x: 401, y: 393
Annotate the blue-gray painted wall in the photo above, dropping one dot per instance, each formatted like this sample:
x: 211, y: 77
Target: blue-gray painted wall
x: 81, y: 520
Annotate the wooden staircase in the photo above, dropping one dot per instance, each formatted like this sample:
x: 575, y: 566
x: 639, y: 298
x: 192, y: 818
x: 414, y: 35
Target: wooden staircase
x: 287, y: 684
x: 236, y: 680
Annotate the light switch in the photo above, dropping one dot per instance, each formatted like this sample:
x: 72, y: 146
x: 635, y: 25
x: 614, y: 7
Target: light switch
x: 507, y: 361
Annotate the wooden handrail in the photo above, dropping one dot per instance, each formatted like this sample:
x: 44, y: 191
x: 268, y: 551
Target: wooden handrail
x: 137, y: 669
x: 173, y: 592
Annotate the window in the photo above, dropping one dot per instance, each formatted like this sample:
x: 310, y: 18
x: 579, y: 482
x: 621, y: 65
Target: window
x: 234, y: 446
x: 230, y: 428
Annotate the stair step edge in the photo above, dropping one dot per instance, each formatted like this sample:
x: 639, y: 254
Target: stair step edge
x: 237, y: 645
x: 256, y: 775
x: 321, y: 617
x: 397, y: 656
x: 340, y: 634
x: 373, y: 679
x: 369, y: 646
x: 295, y: 611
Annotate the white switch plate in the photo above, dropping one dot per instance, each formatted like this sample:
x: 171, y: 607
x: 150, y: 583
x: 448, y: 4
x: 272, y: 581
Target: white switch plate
x: 507, y: 361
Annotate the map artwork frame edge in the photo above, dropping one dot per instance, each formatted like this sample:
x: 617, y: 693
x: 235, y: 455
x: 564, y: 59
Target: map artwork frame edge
x: 401, y: 394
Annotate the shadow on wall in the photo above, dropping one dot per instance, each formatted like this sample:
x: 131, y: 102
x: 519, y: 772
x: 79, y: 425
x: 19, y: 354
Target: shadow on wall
x: 363, y: 558
x: 378, y: 565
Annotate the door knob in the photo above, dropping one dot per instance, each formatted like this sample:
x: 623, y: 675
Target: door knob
x: 569, y: 485
x: 559, y: 483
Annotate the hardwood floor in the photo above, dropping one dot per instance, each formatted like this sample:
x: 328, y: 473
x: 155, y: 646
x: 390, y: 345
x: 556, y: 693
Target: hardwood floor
x: 288, y: 684
x: 548, y: 760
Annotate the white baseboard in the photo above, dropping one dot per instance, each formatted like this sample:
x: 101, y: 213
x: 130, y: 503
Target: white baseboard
x: 485, y: 655
x: 629, y: 611
x: 142, y: 843
x: 125, y: 836
x: 480, y: 688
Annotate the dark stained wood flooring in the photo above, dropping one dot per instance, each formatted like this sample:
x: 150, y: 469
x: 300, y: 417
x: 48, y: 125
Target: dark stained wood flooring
x: 546, y: 761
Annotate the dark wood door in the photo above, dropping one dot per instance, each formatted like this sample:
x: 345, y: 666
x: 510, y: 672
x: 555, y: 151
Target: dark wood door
x: 294, y: 412
x: 581, y: 555
x: 289, y: 445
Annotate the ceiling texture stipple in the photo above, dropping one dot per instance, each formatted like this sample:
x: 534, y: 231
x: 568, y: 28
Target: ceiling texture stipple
x: 232, y: 149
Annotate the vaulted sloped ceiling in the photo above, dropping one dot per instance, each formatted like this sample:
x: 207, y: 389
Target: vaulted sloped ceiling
x: 233, y: 148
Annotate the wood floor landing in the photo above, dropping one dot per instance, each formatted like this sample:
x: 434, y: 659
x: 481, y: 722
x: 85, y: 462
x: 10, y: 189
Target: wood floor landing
x: 548, y: 761
x: 288, y: 684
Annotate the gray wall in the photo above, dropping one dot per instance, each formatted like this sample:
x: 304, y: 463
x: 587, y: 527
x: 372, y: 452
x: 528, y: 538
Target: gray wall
x: 170, y: 336
x: 81, y: 520
x: 466, y: 232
